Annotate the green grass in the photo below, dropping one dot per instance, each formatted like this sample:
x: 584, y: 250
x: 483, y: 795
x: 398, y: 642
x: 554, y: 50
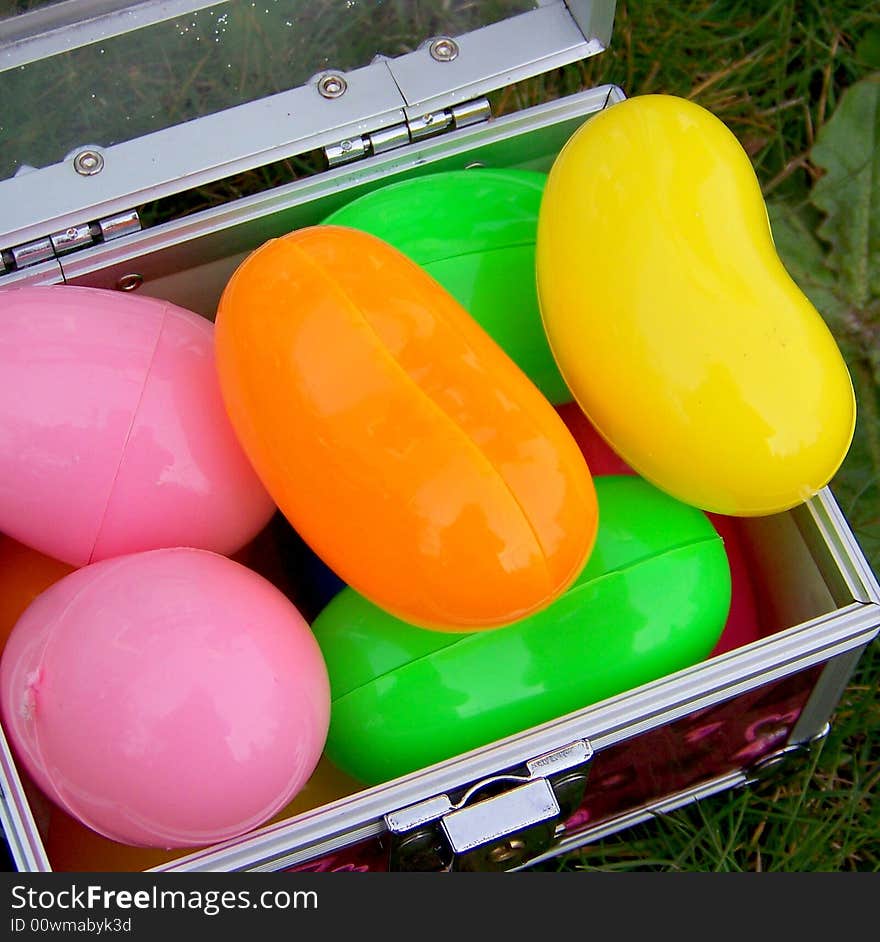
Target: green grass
x: 198, y: 64
x: 819, y: 817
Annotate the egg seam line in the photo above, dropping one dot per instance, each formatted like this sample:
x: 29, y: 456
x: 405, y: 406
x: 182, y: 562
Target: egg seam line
x: 474, y: 636
x: 129, y: 431
x: 499, y: 248
x: 386, y: 354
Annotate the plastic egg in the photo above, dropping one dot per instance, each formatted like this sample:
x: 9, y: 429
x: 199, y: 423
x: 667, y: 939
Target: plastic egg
x: 113, y: 434
x: 744, y: 622
x: 652, y: 599
x: 73, y: 847
x: 673, y: 321
x: 326, y: 784
x: 165, y: 699
x: 474, y: 232
x: 409, y: 452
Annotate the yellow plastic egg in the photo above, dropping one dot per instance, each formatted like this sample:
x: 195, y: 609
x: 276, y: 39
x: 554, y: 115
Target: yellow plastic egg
x: 673, y: 320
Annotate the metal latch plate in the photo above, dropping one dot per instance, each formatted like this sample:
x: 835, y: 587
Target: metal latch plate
x: 497, y: 821
x: 484, y: 822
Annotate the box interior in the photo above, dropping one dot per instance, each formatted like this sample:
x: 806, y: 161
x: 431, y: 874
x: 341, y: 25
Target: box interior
x: 795, y: 578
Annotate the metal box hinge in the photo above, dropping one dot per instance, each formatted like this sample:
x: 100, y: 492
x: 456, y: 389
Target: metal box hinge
x: 69, y: 240
x: 498, y: 823
x: 398, y: 135
x: 790, y: 759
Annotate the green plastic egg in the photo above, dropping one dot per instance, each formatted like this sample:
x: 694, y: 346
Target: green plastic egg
x: 652, y: 599
x: 474, y: 232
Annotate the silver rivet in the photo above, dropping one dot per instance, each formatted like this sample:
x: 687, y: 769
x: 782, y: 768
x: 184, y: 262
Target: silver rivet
x: 88, y: 162
x: 444, y: 49
x: 332, y: 86
x: 130, y: 282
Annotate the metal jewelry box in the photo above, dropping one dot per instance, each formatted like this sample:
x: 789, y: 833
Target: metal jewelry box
x: 128, y: 208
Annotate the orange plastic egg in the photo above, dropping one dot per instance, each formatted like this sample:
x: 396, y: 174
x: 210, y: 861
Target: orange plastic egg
x: 408, y: 450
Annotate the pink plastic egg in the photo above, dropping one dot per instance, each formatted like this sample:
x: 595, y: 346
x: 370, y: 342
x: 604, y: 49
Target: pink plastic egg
x: 113, y: 435
x: 171, y: 698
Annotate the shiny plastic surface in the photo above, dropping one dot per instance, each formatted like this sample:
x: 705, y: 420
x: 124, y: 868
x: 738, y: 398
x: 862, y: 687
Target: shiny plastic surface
x: 474, y: 232
x: 165, y: 699
x: 653, y: 598
x: 744, y: 623
x: 113, y: 434
x: 397, y: 438
x: 673, y: 321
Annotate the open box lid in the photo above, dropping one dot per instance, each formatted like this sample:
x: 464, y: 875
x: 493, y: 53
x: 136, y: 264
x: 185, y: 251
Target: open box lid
x: 111, y: 104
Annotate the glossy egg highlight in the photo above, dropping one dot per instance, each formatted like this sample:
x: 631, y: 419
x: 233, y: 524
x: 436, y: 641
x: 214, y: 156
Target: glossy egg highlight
x: 404, y: 446
x: 474, y: 232
x: 113, y: 434
x: 653, y: 599
x: 744, y: 621
x: 165, y: 699
x: 673, y: 321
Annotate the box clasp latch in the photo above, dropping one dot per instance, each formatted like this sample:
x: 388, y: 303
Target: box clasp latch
x: 498, y: 823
